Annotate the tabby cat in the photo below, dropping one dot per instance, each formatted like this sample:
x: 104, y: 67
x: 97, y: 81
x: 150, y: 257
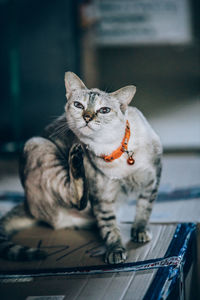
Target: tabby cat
x: 73, y: 173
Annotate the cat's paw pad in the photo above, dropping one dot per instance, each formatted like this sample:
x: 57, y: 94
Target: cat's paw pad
x: 76, y: 155
x: 115, y: 255
x: 76, y: 160
x: 140, y: 235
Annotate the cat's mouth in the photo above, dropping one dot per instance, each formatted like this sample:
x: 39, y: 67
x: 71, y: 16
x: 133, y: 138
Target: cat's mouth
x: 88, y: 129
x: 86, y: 126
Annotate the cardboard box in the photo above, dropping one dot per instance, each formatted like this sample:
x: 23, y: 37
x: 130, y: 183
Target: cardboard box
x: 74, y: 269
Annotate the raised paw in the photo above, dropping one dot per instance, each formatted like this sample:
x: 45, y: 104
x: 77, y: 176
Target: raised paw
x: 115, y: 255
x: 140, y: 234
x: 76, y: 160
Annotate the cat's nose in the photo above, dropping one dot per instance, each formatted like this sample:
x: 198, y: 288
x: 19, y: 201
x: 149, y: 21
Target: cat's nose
x: 87, y: 116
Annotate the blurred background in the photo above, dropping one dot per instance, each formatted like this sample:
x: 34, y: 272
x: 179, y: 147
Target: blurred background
x: 152, y: 44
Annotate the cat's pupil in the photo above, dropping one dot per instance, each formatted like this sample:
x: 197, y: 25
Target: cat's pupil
x: 104, y: 110
x: 78, y: 105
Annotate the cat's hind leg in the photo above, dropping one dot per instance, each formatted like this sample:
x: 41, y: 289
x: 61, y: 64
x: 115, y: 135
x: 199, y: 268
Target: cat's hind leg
x: 78, y: 181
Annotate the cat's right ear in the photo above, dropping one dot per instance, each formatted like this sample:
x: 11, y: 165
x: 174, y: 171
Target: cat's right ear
x: 124, y: 96
x: 73, y: 83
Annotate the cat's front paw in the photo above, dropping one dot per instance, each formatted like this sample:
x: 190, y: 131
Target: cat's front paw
x: 140, y: 234
x: 76, y: 160
x: 115, y: 255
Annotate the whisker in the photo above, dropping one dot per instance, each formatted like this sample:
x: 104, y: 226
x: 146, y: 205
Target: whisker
x: 60, y: 129
x: 60, y: 132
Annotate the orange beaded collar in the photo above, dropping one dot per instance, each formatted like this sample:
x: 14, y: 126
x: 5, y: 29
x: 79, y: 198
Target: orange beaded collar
x: 122, y: 148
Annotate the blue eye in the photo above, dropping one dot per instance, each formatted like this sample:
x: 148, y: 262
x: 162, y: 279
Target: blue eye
x: 104, y: 110
x: 78, y: 105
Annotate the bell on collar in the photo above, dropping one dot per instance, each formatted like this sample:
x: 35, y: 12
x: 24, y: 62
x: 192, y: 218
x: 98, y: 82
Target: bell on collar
x: 130, y: 160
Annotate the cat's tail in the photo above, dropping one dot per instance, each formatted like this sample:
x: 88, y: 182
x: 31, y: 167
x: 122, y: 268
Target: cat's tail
x: 14, y: 221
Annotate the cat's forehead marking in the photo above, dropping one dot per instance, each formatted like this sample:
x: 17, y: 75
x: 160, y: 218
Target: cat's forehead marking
x: 92, y: 99
x: 92, y: 96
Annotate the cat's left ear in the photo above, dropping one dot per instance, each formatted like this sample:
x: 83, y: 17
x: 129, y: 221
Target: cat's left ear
x: 73, y: 83
x: 124, y: 96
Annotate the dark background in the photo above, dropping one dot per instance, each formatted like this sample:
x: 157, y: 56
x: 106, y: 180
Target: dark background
x: 40, y: 40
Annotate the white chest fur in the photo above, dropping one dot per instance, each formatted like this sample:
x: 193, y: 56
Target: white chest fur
x: 119, y: 168
x: 143, y: 142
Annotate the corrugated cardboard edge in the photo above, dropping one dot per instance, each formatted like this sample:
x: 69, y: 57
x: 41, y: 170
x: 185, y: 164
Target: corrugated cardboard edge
x: 165, y: 281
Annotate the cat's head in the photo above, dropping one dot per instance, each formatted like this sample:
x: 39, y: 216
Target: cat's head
x: 89, y: 111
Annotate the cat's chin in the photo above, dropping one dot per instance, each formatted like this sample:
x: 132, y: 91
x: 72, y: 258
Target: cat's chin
x: 86, y: 130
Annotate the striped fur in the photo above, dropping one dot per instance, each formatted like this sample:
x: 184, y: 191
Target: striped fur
x: 15, y: 220
x: 68, y: 184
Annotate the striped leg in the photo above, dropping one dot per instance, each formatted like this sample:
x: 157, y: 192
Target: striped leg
x: 103, y: 208
x: 140, y: 232
x: 78, y: 183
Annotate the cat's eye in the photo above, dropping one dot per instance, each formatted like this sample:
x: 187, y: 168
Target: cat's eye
x: 104, y: 110
x: 78, y: 105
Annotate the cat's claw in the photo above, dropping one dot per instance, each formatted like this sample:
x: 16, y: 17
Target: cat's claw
x: 115, y: 255
x: 140, y: 235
